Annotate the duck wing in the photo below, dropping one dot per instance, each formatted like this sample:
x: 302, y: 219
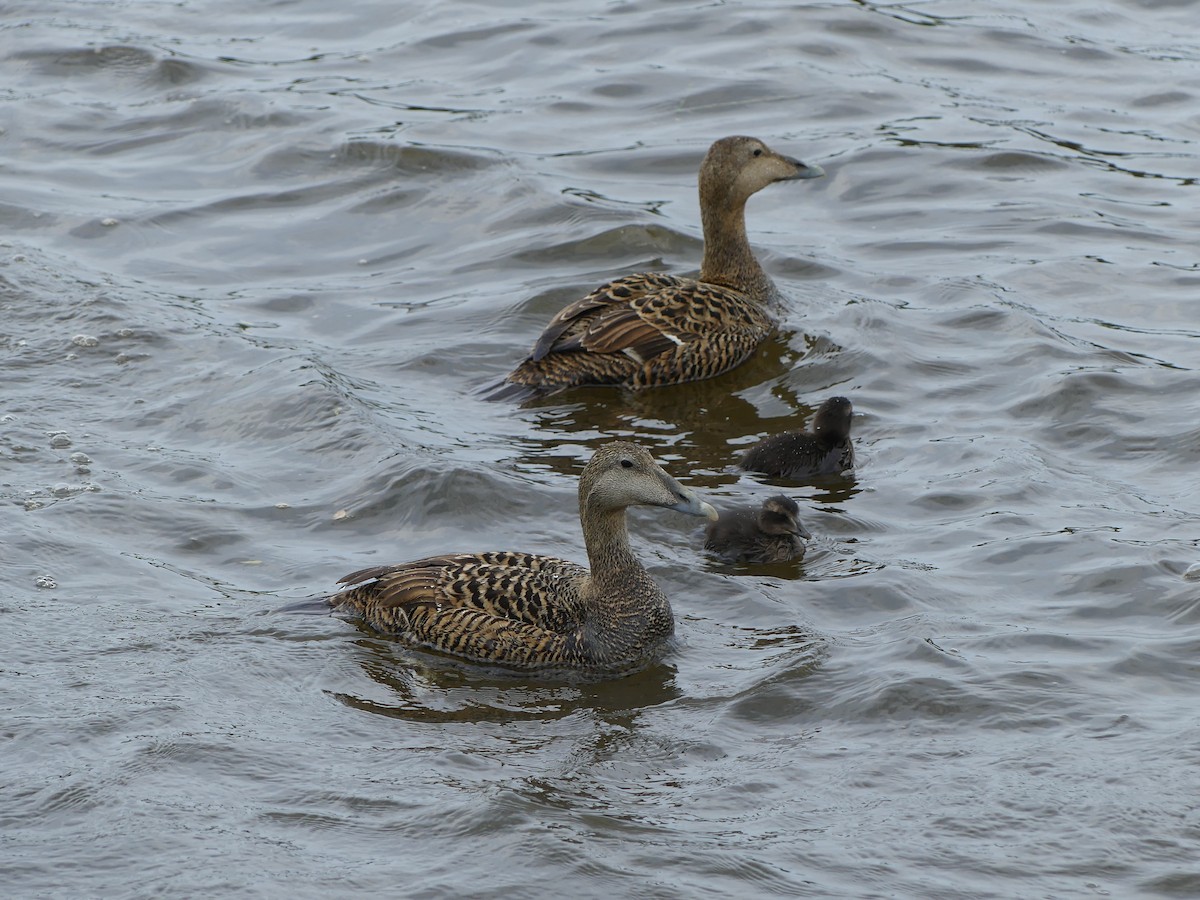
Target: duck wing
x: 514, y: 609
x: 623, y: 316
x: 645, y: 330
x: 524, y: 587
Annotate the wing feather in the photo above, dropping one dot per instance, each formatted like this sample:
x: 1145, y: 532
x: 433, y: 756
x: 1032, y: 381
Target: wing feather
x: 514, y: 609
x: 616, y: 305
x: 536, y: 590
x: 646, y: 329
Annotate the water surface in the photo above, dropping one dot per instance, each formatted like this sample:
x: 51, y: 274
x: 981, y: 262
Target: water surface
x: 257, y: 265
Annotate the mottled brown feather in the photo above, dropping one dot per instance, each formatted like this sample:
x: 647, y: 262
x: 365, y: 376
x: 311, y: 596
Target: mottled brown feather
x: 583, y: 323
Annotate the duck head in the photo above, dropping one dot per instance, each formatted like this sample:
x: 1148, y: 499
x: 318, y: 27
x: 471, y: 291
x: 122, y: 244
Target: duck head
x: 622, y: 474
x: 737, y: 167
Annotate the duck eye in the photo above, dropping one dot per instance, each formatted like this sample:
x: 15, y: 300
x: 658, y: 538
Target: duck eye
x: 627, y: 464
x: 758, y: 151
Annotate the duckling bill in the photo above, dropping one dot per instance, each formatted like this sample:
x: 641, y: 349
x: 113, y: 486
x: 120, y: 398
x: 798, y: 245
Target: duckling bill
x: 652, y: 329
x: 529, y: 612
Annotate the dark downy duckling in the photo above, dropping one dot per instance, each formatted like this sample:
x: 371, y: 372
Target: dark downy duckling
x: 651, y: 329
x: 826, y: 450
x: 770, y: 533
x: 530, y: 612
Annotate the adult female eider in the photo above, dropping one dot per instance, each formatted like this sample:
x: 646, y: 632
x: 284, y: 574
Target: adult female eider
x: 770, y: 533
x: 826, y: 450
x: 650, y: 329
x: 529, y: 612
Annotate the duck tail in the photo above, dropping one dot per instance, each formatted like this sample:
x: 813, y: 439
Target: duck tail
x: 511, y: 390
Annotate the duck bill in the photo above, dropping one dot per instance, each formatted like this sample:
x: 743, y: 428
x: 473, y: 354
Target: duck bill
x: 803, y: 170
x: 694, y: 506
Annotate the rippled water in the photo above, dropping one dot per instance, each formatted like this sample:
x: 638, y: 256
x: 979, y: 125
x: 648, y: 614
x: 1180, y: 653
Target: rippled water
x: 256, y: 265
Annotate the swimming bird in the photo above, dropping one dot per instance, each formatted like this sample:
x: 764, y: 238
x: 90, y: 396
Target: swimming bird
x: 826, y: 450
x: 770, y: 533
x: 529, y: 612
x: 651, y: 329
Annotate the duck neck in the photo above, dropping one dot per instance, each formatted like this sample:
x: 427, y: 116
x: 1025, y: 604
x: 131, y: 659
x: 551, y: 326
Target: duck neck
x: 728, y: 259
x: 608, y: 550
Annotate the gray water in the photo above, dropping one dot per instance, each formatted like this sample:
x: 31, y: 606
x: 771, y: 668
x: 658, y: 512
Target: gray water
x: 258, y: 261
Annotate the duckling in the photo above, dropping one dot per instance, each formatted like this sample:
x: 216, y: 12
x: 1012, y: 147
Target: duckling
x: 651, y: 329
x: 529, y: 612
x: 770, y: 533
x: 826, y: 450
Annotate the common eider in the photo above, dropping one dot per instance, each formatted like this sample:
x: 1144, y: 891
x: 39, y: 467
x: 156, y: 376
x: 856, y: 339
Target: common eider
x: 648, y: 330
x: 529, y: 612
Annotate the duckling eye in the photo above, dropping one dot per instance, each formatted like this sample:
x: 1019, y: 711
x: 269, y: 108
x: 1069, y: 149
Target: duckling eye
x: 627, y: 464
x: 758, y: 151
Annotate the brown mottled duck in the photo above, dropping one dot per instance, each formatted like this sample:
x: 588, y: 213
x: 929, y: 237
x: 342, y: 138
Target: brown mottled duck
x: 528, y: 612
x: 651, y: 329
x: 770, y: 533
x: 826, y: 450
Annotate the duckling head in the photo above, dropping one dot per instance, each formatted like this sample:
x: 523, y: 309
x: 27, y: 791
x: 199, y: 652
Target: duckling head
x: 737, y: 167
x: 622, y: 474
x: 833, y: 418
x: 780, y: 515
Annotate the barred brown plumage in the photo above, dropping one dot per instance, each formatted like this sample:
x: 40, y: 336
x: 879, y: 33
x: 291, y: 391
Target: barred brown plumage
x: 652, y: 329
x: 530, y: 612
